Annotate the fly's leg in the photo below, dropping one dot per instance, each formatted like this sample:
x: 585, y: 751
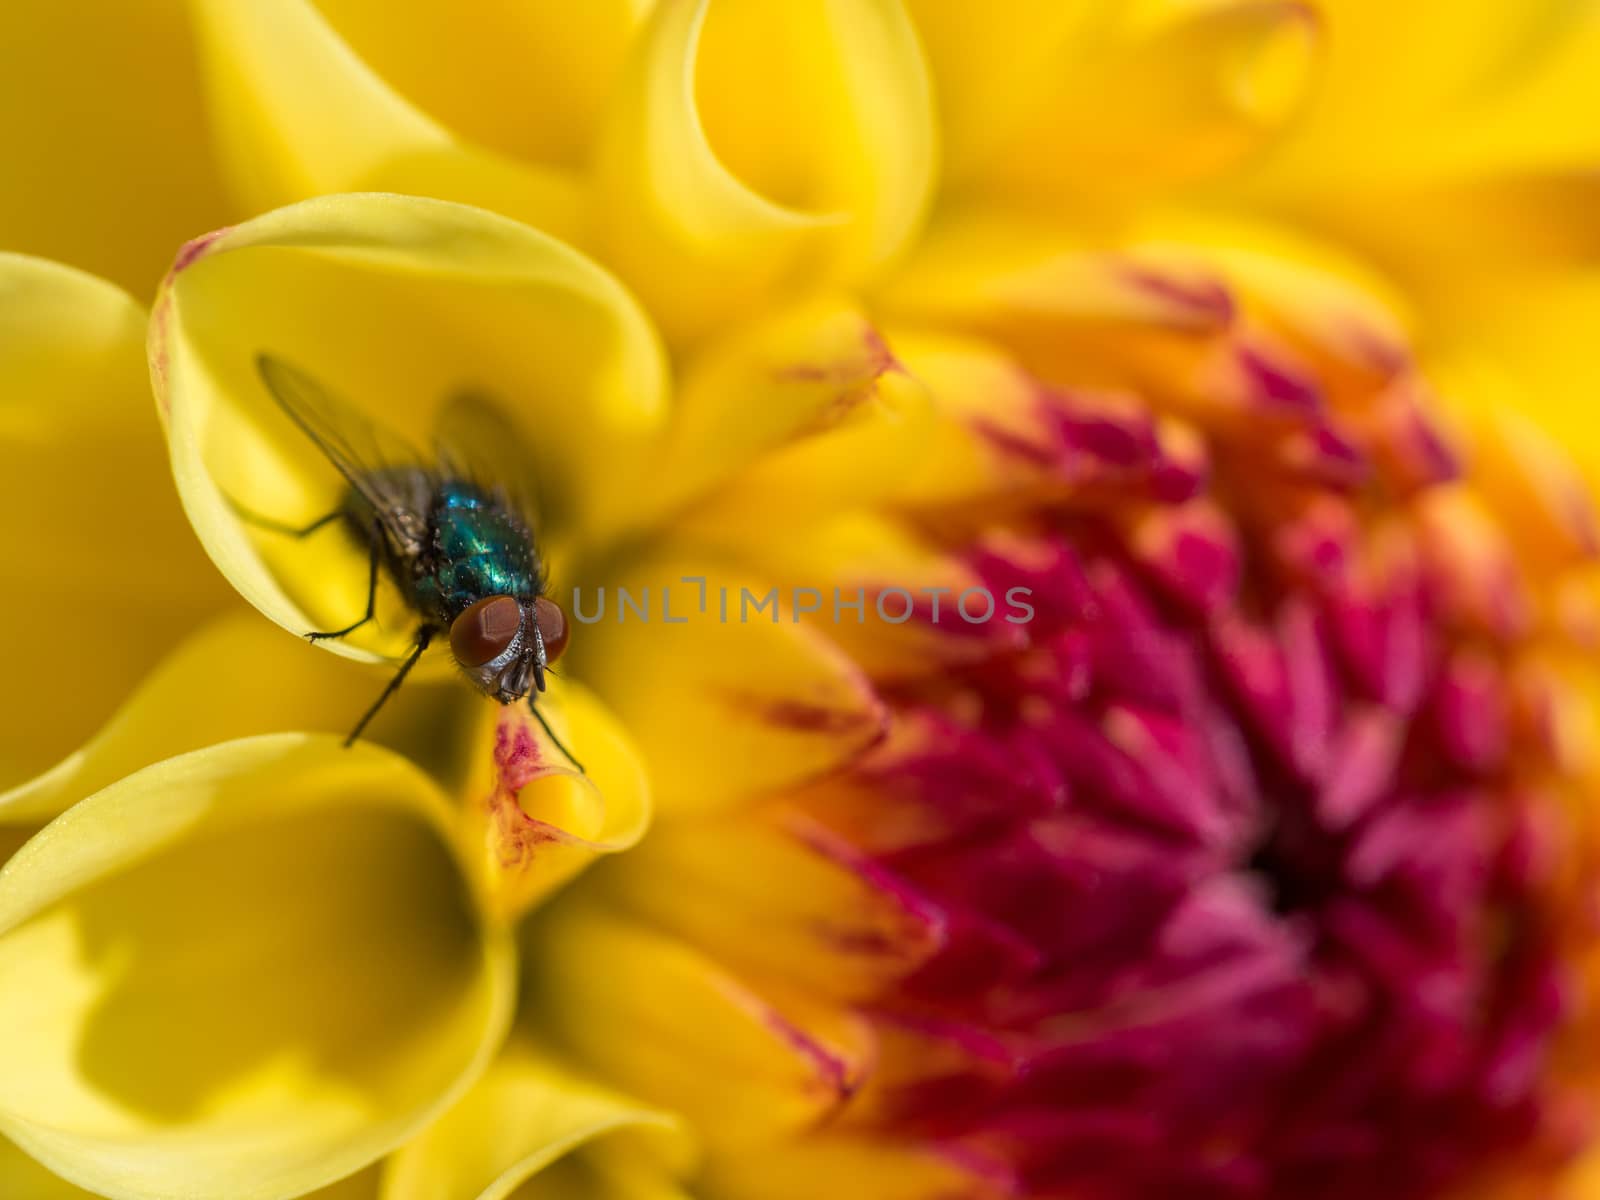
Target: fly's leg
x: 283, y: 527
x: 424, y: 636
x: 551, y: 734
x: 372, y: 590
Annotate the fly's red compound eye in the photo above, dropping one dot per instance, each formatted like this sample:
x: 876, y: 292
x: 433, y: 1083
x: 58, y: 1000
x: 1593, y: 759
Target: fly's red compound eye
x: 552, y: 627
x: 483, y: 631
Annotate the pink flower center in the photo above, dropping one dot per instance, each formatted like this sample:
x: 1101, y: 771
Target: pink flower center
x: 1245, y: 857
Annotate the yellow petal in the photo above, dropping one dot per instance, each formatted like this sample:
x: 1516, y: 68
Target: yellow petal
x: 993, y: 65
x: 751, y: 147
x: 246, y: 972
x: 95, y: 545
x: 724, y: 700
x: 887, y: 596
x: 1175, y: 99
x: 777, y: 895
x: 783, y: 380
x: 987, y: 272
x: 1534, y: 457
x: 1449, y: 140
x: 209, y: 690
x: 530, y: 820
x: 1412, y: 89
x: 1540, y: 342
x: 772, y: 425
x: 526, y: 1113
x: 986, y: 413
x: 859, y: 464
x: 1130, y: 313
x: 529, y: 80
x: 738, y: 1065
x: 1003, y: 442
x: 1508, y: 221
x: 295, y: 113
x: 1320, y: 293
x: 84, y: 117
x: 393, y: 304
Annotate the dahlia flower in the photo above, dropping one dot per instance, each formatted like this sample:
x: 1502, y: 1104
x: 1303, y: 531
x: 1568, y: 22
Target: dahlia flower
x: 1077, y: 525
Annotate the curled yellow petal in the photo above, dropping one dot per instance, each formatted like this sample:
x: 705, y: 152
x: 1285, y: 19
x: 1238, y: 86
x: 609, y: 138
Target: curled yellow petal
x: 530, y: 818
x: 394, y: 305
x: 710, y: 674
x: 94, y: 544
x: 180, y: 707
x: 760, y: 1066
x: 296, y: 112
x: 527, y: 820
x: 525, y: 1114
x: 247, y: 972
x: 702, y: 211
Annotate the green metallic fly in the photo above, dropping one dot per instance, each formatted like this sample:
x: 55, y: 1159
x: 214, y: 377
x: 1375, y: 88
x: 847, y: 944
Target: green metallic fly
x: 447, y: 532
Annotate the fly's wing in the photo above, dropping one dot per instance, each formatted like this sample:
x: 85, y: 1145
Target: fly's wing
x: 477, y: 441
x: 376, y: 463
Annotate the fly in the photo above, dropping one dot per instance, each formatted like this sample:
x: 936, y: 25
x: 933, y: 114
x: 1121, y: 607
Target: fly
x: 447, y: 532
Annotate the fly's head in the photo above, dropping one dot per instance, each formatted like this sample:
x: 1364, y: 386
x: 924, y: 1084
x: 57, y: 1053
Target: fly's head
x: 505, y: 644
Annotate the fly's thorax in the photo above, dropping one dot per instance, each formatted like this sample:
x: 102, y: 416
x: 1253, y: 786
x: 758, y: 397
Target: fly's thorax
x: 478, y: 547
